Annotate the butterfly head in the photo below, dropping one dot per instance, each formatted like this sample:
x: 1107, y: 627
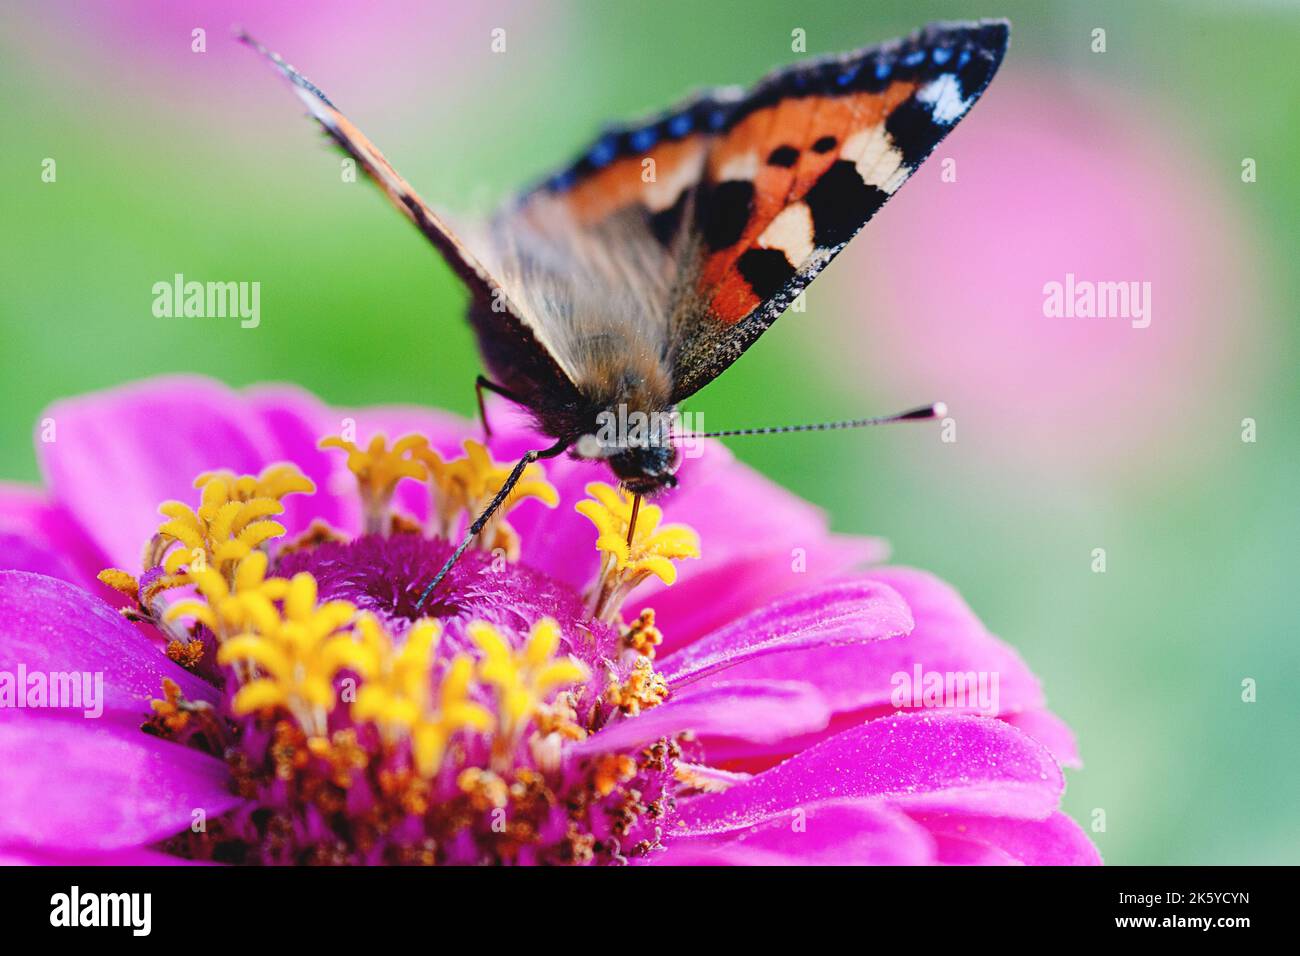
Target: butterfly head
x: 638, y: 446
x: 648, y: 470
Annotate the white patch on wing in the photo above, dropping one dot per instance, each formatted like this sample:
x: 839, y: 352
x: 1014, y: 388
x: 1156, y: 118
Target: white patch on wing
x: 878, y: 161
x: 742, y: 166
x: 893, y: 182
x: 943, y: 96
x: 670, y: 184
x: 791, y: 232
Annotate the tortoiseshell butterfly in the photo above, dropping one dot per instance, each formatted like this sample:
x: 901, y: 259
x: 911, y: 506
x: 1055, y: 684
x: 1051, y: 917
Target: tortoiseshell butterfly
x: 603, y: 290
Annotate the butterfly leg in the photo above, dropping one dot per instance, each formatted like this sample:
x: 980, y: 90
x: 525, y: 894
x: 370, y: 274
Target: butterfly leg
x: 516, y: 473
x: 483, y: 382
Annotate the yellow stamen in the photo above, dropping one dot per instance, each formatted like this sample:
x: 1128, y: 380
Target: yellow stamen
x: 642, y: 636
x: 485, y: 789
x: 275, y: 482
x: 297, y: 651
x: 697, y: 777
x: 169, y: 714
x: 232, y: 521
x: 245, y: 604
x: 120, y: 581
x: 643, y: 689
x: 465, y: 486
x: 523, y: 679
x: 378, y: 469
x: 342, y: 752
x: 397, y: 696
x: 624, y: 565
x: 188, y: 654
x: 560, y: 717
x: 611, y: 770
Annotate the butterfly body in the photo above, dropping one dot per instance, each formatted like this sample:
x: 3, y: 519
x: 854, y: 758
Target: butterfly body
x: 621, y: 379
x: 618, y: 287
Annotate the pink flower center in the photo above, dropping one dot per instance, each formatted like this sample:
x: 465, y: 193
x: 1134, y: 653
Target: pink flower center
x: 361, y: 728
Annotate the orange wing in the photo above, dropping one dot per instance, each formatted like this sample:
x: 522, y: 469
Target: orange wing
x: 803, y: 164
x: 745, y: 194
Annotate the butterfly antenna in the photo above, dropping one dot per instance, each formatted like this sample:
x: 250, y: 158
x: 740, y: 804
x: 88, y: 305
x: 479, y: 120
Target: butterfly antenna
x: 513, y: 479
x: 923, y: 413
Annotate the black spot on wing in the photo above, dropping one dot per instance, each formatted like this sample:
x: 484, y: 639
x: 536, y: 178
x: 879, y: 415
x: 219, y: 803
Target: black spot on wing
x: 824, y: 145
x: 766, y: 270
x: 986, y: 45
x: 840, y: 203
x: 784, y: 156
x: 725, y: 212
x: 914, y: 131
x: 976, y: 74
x: 666, y: 223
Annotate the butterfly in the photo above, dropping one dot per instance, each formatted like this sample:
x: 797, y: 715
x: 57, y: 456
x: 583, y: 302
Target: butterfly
x: 630, y: 279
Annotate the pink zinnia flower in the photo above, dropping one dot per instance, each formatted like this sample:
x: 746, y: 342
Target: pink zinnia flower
x: 271, y: 694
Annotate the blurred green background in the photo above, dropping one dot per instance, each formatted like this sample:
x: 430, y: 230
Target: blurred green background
x: 172, y: 161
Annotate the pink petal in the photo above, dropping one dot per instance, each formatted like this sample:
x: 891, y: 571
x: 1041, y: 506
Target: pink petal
x: 21, y: 553
x: 134, y: 856
x: 742, y: 517
x: 72, y: 786
x: 754, y: 710
x: 49, y: 626
x: 295, y: 421
x: 147, y: 442
x: 1055, y: 841
x: 24, y: 546
x: 955, y: 852
x: 1050, y: 731
x: 947, y: 638
x: 847, y: 613
x: 120, y: 453
x: 916, y: 761
x: 707, y: 598
x: 39, y: 536
x: 837, y: 833
x: 866, y: 680
x: 735, y: 509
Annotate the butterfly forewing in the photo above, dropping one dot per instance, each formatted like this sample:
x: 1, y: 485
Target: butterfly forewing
x: 802, y: 164
x: 684, y: 237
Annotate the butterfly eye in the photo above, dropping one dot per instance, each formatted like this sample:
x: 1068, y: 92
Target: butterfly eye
x: 674, y: 463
